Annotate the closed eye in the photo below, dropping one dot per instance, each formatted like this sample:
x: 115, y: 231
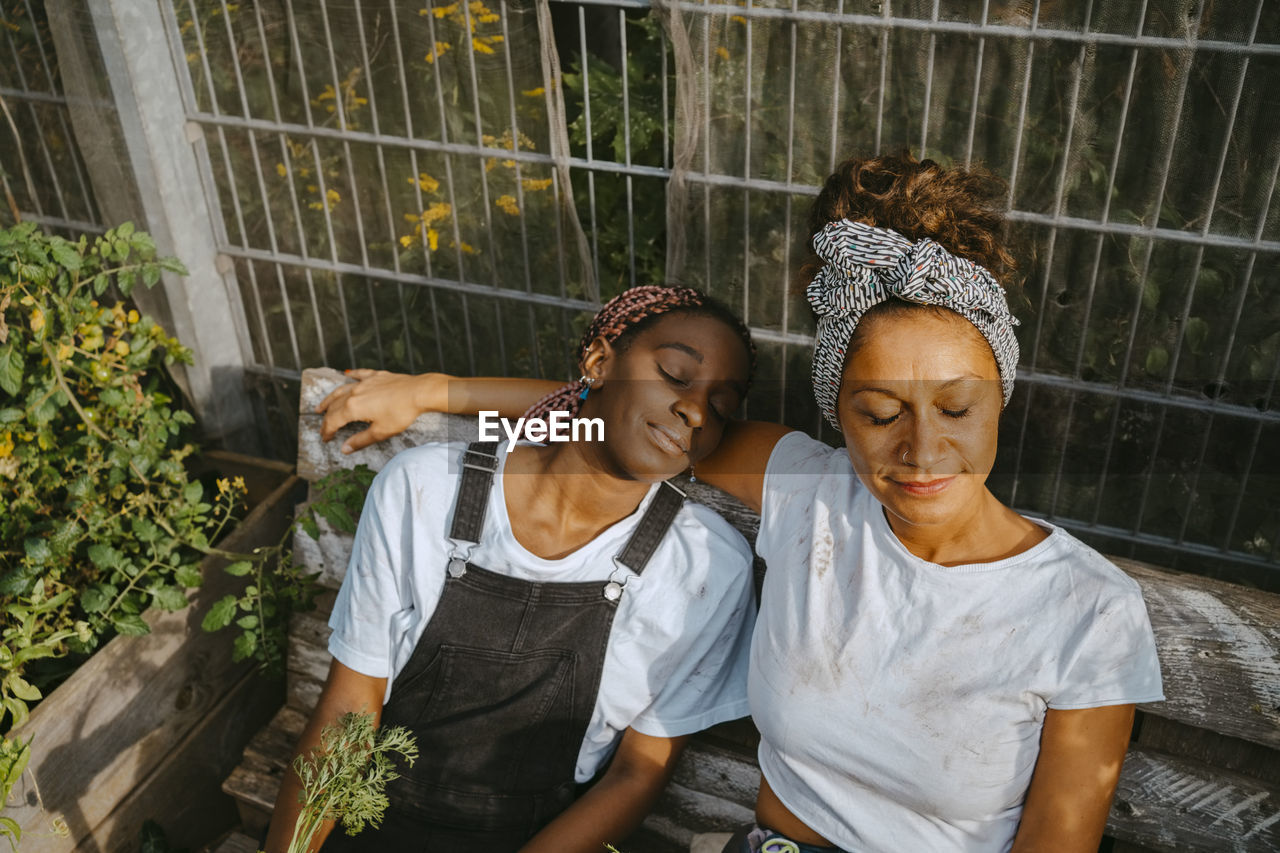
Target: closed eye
x: 956, y: 413
x: 680, y: 383
x: 882, y: 421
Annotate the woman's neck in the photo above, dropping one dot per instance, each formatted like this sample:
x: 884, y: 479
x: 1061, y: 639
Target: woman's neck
x: 987, y: 532
x: 560, y: 497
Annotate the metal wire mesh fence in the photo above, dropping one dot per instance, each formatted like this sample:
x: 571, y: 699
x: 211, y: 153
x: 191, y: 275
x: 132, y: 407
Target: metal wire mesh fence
x: 43, y: 172
x: 401, y: 184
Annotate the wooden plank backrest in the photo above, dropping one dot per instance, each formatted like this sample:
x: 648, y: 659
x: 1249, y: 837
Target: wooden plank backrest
x: 1219, y: 643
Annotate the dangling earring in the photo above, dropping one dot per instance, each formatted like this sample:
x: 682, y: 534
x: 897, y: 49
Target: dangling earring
x: 587, y: 381
x: 693, y: 474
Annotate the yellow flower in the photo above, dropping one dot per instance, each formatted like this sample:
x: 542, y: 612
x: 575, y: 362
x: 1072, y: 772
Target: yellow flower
x: 441, y: 47
x: 468, y: 248
x: 433, y: 239
x: 425, y: 182
x: 333, y: 198
x: 738, y: 19
x: 238, y: 482
x: 281, y: 170
x: 406, y: 241
x: 224, y: 486
x: 534, y: 93
x: 436, y: 212
x: 722, y: 52
x: 480, y: 45
x: 442, y: 11
x: 133, y: 317
x: 315, y: 205
x: 535, y: 184
x: 508, y: 205
x: 37, y: 320
x: 311, y: 188
x: 6, y: 444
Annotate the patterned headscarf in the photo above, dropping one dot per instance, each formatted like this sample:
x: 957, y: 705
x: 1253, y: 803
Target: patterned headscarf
x: 616, y: 317
x: 864, y: 266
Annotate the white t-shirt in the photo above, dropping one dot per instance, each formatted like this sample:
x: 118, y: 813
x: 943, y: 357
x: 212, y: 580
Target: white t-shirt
x: 676, y: 661
x: 900, y: 702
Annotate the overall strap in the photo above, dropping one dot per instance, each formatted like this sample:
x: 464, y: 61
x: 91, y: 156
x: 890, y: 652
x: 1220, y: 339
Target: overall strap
x: 652, y: 527
x: 479, y: 463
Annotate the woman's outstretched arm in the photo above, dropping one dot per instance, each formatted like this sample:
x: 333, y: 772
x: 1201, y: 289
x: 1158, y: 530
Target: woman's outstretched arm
x: 389, y: 402
x: 615, y: 805
x: 1081, y: 753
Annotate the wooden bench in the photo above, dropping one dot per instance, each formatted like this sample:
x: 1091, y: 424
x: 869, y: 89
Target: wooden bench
x: 1203, y: 771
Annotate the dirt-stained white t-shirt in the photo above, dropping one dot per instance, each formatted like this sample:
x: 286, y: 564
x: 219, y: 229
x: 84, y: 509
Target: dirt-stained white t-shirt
x: 676, y: 661
x: 900, y: 702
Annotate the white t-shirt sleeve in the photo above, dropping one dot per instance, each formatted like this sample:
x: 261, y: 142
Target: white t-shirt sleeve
x: 1114, y: 662
x: 370, y: 597
x: 702, y: 678
x: 791, y: 478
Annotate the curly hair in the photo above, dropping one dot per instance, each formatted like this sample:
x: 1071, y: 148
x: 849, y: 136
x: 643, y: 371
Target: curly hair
x: 960, y: 208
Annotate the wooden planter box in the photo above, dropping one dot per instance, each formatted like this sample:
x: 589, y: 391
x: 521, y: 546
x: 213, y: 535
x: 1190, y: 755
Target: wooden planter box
x: 150, y: 726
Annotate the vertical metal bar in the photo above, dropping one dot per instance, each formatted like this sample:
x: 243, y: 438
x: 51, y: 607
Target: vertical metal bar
x: 1022, y: 116
x: 666, y: 107
x: 417, y: 194
x: 38, y: 127
x: 706, y: 145
x: 1097, y: 260
x: 586, y: 113
x: 382, y: 174
x: 1185, y: 73
x: 1058, y: 203
x: 835, y: 93
x: 626, y: 146
x: 884, y: 66
x: 1208, y: 221
x: 61, y: 111
x: 786, y: 258
x: 749, y: 79
x: 977, y: 89
x: 453, y: 206
x: 928, y: 85
x: 340, y: 111
x: 1013, y: 180
x: 262, y: 187
x: 524, y: 230
x: 484, y: 188
x: 315, y: 156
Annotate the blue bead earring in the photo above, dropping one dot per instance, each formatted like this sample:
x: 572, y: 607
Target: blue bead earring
x: 587, y: 381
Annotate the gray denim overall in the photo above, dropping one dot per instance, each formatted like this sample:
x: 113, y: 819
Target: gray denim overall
x: 499, y: 691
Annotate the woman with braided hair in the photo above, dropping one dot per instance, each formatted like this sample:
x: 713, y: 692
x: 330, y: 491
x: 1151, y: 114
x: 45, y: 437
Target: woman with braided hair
x: 930, y: 670
x: 551, y: 621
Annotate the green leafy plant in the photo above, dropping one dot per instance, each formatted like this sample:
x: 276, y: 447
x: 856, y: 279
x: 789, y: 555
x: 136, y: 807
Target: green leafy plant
x: 338, y: 499
x: 14, y: 756
x: 345, y: 779
x: 102, y: 522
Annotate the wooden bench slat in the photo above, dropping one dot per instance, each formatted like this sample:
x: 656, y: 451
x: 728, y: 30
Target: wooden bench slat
x: 1176, y: 805
x: 1219, y: 647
